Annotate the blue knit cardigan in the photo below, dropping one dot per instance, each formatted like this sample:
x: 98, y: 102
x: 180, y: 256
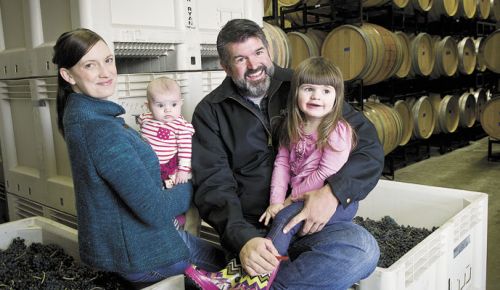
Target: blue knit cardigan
x: 124, y: 216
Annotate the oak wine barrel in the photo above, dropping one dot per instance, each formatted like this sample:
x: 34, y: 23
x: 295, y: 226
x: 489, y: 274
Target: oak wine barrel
x: 447, y: 8
x: 279, y: 46
x: 405, y: 67
x: 489, y: 49
x: 490, y: 118
x: 483, y: 9
x: 448, y: 114
x: 446, y: 53
x: 302, y: 47
x: 481, y: 100
x: 422, y: 54
x: 467, y: 8
x: 467, y: 109
x: 404, y: 112
x: 423, y: 118
x: 387, y: 122
x: 466, y: 56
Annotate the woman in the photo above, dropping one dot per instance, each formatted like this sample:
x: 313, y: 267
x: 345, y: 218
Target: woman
x: 124, y: 214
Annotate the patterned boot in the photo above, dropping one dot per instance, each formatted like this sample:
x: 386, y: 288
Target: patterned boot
x: 229, y: 278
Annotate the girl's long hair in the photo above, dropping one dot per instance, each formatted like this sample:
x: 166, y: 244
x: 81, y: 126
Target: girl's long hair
x: 70, y: 47
x: 318, y: 71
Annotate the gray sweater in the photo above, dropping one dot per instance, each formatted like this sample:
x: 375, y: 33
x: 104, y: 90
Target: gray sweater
x: 124, y: 215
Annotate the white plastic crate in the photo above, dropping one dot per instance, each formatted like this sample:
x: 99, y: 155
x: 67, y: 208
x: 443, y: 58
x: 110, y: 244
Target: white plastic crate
x: 57, y: 181
x: 2, y: 177
x: 20, y: 133
x: 452, y: 257
x: 136, y: 29
x: 42, y: 230
x: 212, y: 79
x: 21, y: 208
x: 131, y: 92
x: 15, y: 41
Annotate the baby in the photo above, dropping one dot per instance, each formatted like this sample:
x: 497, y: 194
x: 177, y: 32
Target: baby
x: 167, y: 132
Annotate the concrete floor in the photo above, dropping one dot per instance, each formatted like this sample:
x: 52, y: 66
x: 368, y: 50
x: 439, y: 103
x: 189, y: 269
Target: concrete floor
x: 466, y: 168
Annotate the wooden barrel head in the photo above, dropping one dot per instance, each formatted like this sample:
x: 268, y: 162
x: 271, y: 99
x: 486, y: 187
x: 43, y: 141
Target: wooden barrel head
x: 448, y: 114
x: 435, y: 100
x: 349, y: 48
x: 422, y: 52
x: 405, y: 113
x: 467, y: 8
x: 467, y: 56
x: 422, y: 5
x: 388, y: 51
x: 400, y: 3
x: 448, y: 55
x: 483, y: 9
x: 405, y: 66
x: 481, y: 100
x: 480, y: 62
x: 490, y: 50
x: 495, y: 10
x: 447, y: 8
x: 423, y: 118
x: 318, y: 36
x: 302, y: 47
x: 490, y: 118
x: 289, y: 3
x: 467, y: 107
x: 279, y: 46
x: 387, y: 123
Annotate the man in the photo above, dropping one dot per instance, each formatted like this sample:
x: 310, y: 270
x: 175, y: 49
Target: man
x: 233, y: 155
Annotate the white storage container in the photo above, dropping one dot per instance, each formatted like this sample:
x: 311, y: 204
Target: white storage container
x: 14, y: 40
x: 21, y: 208
x: 452, y: 257
x: 57, y: 180
x: 20, y: 134
x: 2, y: 177
x: 131, y: 92
x: 212, y: 79
x: 148, y: 29
x: 45, y: 231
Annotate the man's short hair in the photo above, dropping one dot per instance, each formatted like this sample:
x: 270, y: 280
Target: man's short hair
x: 235, y: 31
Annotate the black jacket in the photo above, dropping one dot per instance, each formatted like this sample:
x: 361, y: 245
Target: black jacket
x: 233, y: 157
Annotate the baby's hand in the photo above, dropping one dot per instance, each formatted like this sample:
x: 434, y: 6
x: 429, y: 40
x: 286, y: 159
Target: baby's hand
x: 169, y: 183
x: 181, y: 177
x: 271, y: 212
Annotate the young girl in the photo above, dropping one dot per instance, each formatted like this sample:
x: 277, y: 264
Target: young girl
x: 168, y: 133
x: 124, y: 214
x: 315, y: 142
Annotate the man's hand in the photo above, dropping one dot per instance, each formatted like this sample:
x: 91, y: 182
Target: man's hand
x: 258, y: 256
x: 319, y: 207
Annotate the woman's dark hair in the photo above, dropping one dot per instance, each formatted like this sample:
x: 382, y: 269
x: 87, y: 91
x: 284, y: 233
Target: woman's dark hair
x: 235, y: 31
x: 70, y: 47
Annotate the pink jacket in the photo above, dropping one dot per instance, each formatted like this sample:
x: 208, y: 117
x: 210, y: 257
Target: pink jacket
x: 305, y: 167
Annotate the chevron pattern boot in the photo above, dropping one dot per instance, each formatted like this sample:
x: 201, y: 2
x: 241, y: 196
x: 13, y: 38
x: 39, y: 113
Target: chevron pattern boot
x: 233, y: 277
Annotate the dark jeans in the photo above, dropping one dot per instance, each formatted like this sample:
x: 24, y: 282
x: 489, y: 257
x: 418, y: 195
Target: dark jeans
x: 282, y: 241
x: 202, y: 253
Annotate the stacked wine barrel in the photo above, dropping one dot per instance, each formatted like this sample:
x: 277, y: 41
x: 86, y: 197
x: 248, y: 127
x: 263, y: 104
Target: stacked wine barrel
x: 374, y: 54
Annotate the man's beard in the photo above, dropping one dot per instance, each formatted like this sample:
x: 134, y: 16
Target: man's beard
x: 258, y: 88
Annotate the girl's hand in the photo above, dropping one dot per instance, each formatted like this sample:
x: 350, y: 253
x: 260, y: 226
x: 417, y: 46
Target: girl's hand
x: 271, y: 212
x: 181, y: 177
x: 288, y: 201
